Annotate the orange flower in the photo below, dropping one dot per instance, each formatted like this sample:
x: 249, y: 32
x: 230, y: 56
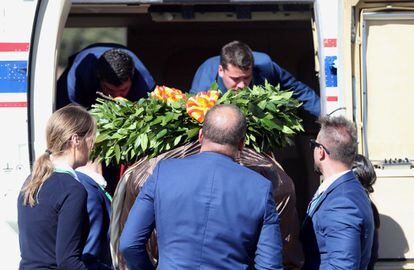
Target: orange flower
x: 198, y: 105
x: 167, y: 94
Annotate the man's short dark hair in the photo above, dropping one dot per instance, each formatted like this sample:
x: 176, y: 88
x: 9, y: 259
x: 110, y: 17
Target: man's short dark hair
x: 339, y: 137
x: 225, y: 128
x: 237, y: 54
x: 115, y: 67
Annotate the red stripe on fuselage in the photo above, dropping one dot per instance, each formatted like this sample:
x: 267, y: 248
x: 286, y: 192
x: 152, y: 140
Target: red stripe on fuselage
x: 14, y: 47
x: 13, y: 104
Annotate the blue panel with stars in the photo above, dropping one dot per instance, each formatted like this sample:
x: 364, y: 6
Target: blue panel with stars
x: 331, y: 71
x: 13, y: 76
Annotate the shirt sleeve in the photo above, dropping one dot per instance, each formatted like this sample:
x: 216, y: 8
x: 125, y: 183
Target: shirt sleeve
x: 269, y: 247
x: 71, y: 228
x: 302, y: 92
x: 148, y: 81
x: 206, y: 74
x: 138, y: 227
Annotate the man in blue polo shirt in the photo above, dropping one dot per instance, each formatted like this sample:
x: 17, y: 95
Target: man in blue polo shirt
x: 108, y: 68
x: 238, y: 67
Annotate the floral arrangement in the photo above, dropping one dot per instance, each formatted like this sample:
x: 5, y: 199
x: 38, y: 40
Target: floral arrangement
x: 198, y: 105
x: 168, y: 118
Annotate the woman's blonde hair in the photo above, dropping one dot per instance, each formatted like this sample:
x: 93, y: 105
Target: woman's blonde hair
x: 62, y: 125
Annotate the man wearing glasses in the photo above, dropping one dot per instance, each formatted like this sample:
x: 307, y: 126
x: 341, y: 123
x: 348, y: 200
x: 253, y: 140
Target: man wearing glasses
x: 338, y: 229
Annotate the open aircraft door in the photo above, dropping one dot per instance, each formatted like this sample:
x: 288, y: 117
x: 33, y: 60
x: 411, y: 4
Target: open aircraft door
x: 384, y: 108
x: 30, y: 35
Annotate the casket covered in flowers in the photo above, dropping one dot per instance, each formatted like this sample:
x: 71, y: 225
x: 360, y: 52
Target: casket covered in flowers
x: 166, y: 125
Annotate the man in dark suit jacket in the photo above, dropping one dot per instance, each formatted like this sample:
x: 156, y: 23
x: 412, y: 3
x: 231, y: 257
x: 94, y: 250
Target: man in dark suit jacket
x: 338, y: 230
x: 105, y: 67
x: 238, y: 67
x: 209, y: 212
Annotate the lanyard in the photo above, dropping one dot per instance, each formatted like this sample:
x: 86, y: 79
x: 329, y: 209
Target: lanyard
x: 67, y: 171
x: 106, y: 193
x: 73, y: 174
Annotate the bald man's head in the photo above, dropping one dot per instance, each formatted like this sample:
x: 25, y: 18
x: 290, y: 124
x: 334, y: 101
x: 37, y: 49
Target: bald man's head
x: 224, y: 124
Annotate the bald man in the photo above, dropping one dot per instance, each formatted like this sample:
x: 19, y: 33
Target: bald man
x: 209, y: 211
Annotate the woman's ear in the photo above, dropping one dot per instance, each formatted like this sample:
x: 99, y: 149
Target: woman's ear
x: 74, y: 139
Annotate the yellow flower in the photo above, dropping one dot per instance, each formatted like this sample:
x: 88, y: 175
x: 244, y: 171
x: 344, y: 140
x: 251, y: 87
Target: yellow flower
x: 198, y: 105
x: 167, y: 94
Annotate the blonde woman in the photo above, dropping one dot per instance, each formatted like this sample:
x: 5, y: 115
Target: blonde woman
x: 52, y: 215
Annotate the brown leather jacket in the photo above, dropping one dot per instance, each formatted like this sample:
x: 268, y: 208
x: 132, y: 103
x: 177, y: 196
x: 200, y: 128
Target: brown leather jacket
x: 283, y: 191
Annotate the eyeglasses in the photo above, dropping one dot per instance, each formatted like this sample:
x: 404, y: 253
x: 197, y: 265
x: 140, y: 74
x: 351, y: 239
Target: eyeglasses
x: 313, y: 143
